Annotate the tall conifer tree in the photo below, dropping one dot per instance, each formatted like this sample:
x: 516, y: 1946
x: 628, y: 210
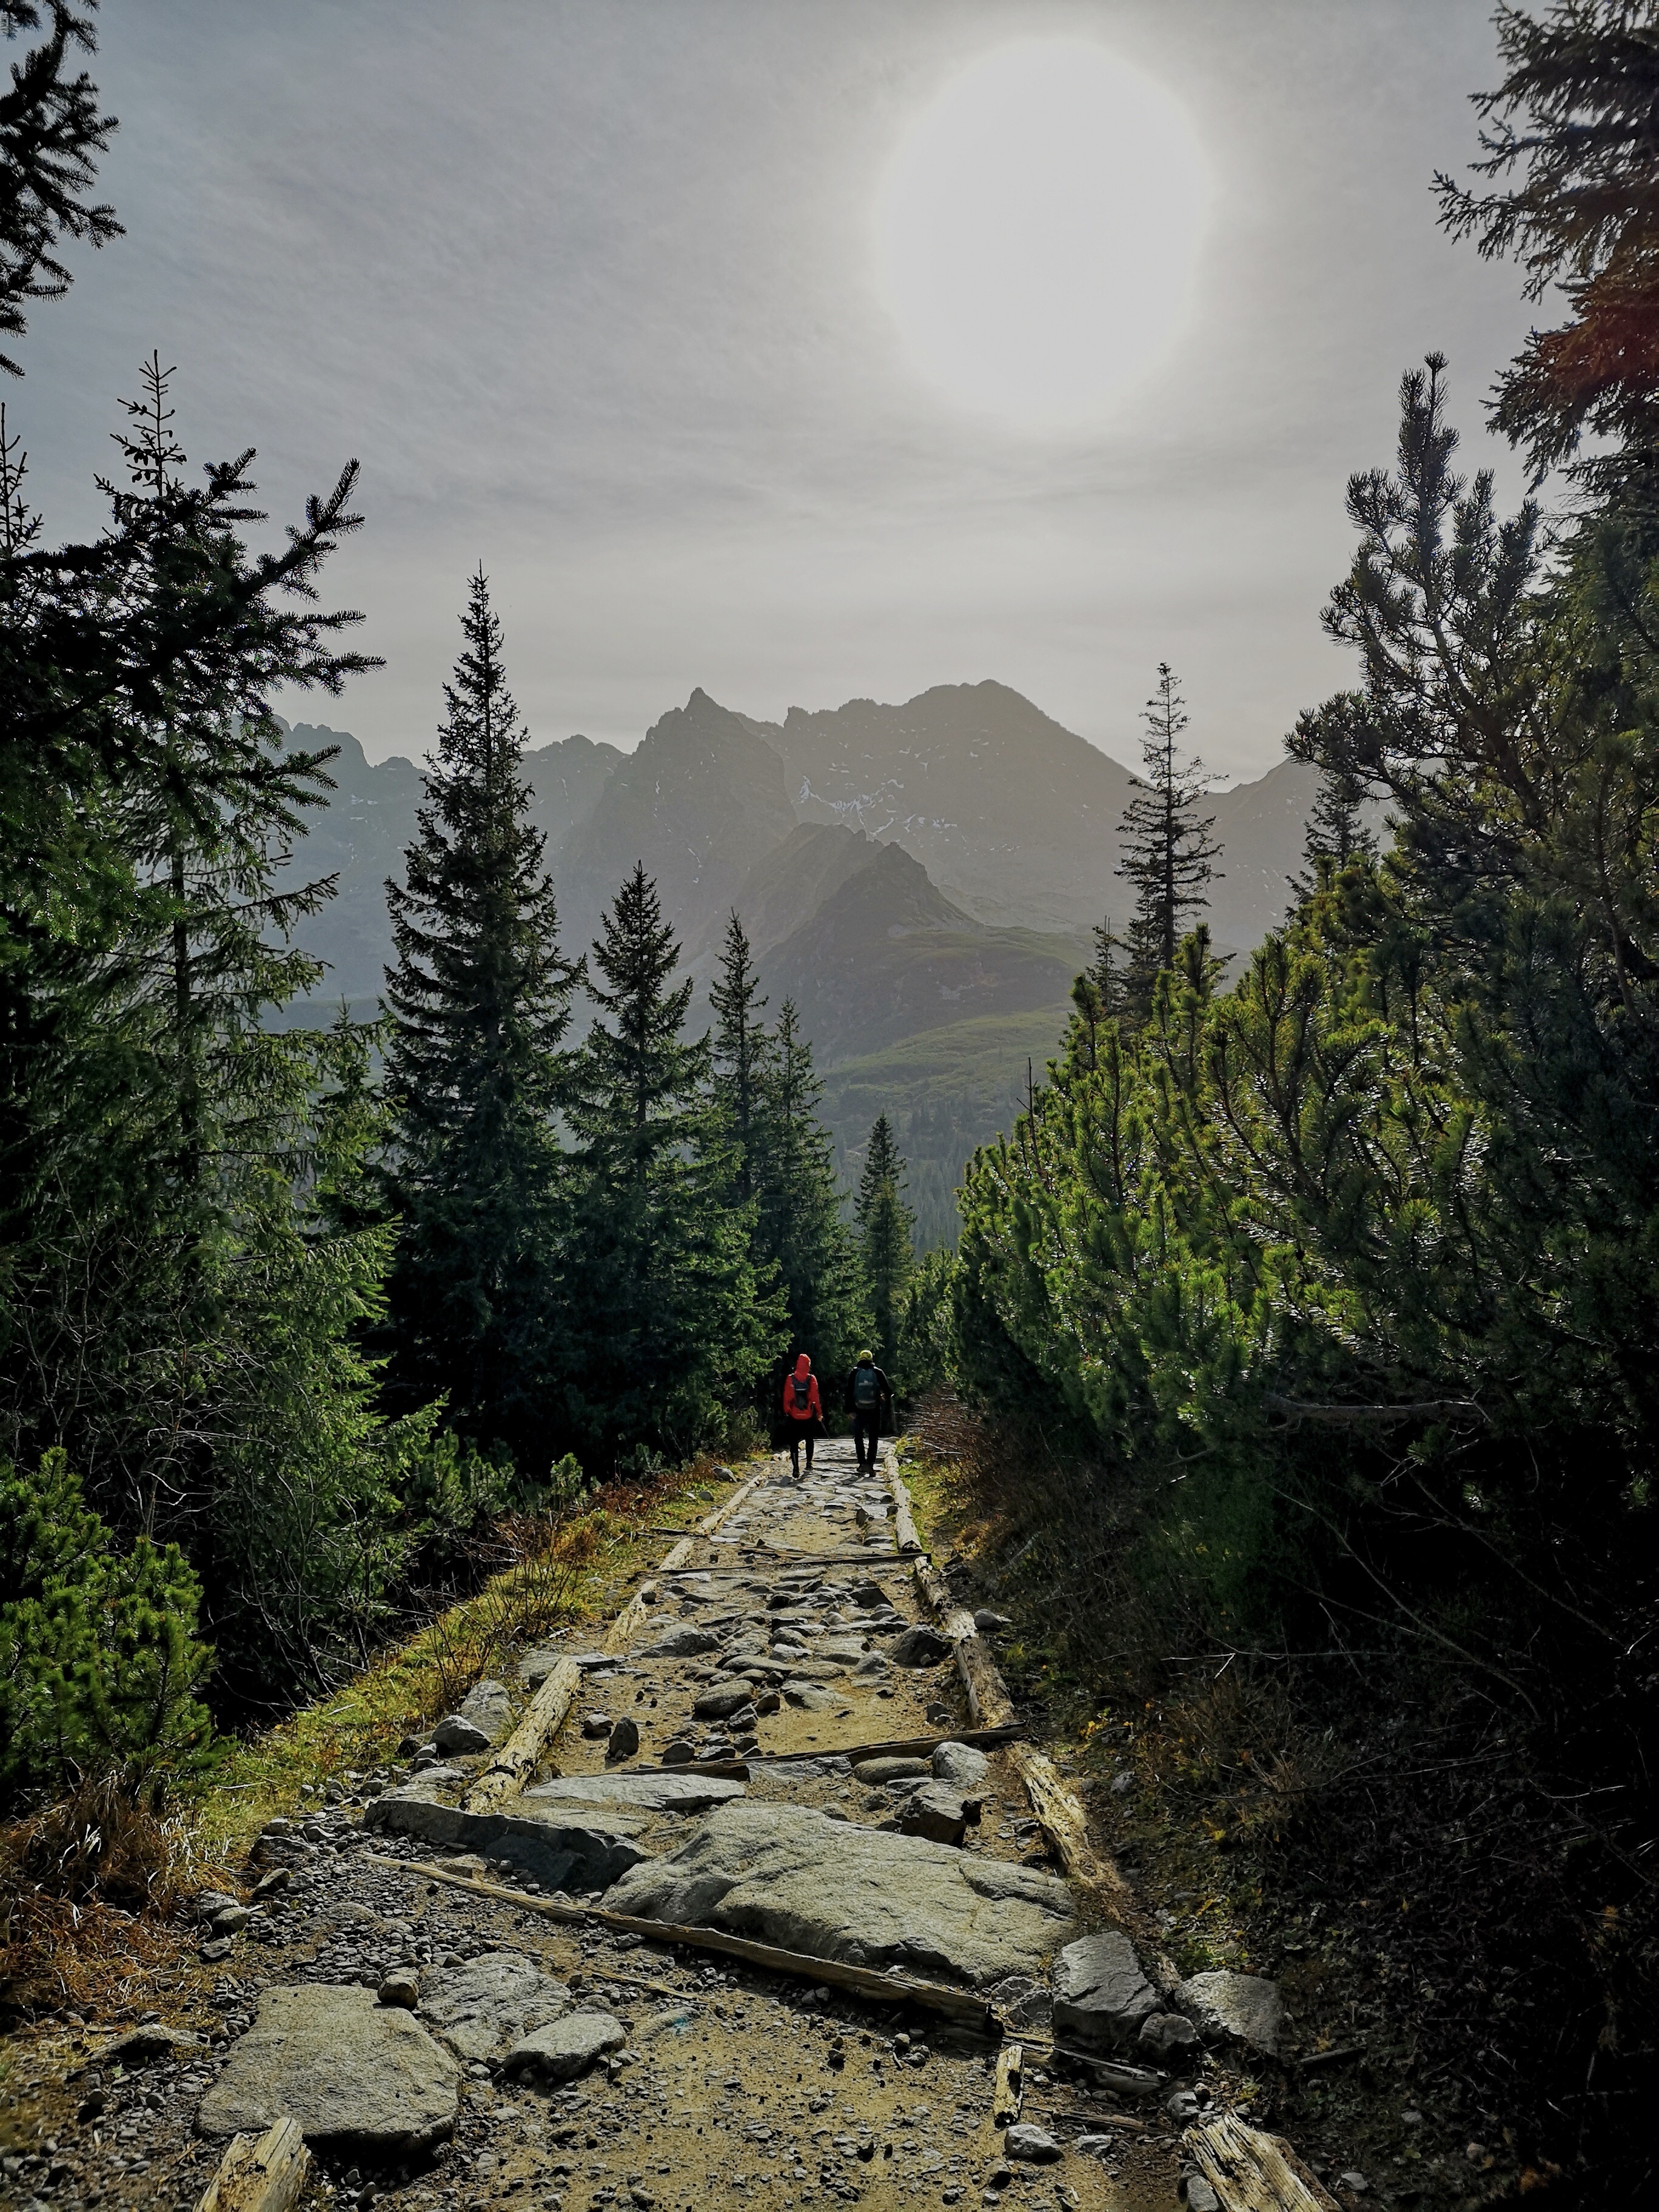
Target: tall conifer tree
x: 480, y: 998
x: 1336, y: 833
x: 741, y: 1047
x: 1168, y: 855
x: 667, y: 1322
x: 885, y: 1227
x: 800, y: 1230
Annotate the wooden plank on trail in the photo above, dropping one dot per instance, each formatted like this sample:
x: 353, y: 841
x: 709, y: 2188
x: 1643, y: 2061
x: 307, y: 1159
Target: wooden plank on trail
x: 1010, y: 2087
x: 1060, y: 1812
x: 885, y: 1989
x: 1251, y: 2172
x: 516, y: 1760
x: 260, y: 2173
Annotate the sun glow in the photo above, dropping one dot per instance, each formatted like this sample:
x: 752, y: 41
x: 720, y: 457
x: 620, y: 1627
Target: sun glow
x: 1037, y: 231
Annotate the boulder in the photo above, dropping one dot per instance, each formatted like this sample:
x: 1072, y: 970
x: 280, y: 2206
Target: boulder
x: 878, y: 1772
x: 922, y: 1646
x: 400, y: 1987
x: 936, y: 1811
x: 720, y: 1704
x: 1167, y: 2035
x: 624, y: 1741
x: 595, y: 1725
x: 988, y: 1623
x: 491, y: 2003
x: 1241, y: 2007
x: 358, y: 2077
x: 788, y: 1876
x: 457, y: 1736
x: 566, y: 2048
x: 1101, y: 1996
x: 809, y: 1699
x: 490, y: 1707
x: 1034, y: 2145
x: 962, y: 1766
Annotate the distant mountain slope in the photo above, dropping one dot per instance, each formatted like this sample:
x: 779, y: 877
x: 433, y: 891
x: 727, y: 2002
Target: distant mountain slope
x: 787, y: 886
x: 887, y: 957
x: 702, y: 799
x: 1261, y: 828
x: 1011, y: 815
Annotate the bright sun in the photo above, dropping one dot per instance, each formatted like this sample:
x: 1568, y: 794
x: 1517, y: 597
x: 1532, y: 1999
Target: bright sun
x: 1037, y: 229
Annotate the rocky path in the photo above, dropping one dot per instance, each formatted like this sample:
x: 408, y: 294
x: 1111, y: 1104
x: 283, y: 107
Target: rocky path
x: 406, y: 1980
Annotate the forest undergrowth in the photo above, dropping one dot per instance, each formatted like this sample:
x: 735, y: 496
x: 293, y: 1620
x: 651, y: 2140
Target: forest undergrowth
x: 1353, y: 1819
x: 90, y: 1883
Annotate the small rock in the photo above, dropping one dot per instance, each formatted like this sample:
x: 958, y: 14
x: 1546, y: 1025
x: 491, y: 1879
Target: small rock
x: 1035, y: 2146
x: 217, y: 1948
x: 1167, y: 2034
x: 1000, y: 2175
x: 1100, y: 1995
x: 1183, y: 2106
x: 277, y: 1827
x: 490, y: 1707
x: 139, y: 2045
x: 1245, y: 2006
x: 457, y: 1736
x: 809, y: 1699
x: 768, y: 1701
x: 401, y: 1988
x: 596, y: 1724
x: 1200, y: 2198
x: 269, y: 1884
x: 681, y: 1642
x: 936, y: 1811
x: 625, y: 1739
x: 879, y: 1770
x: 489, y: 2003
x: 679, y: 1753
x: 565, y: 2049
x: 211, y: 1903
x: 961, y: 1765
x: 1353, y: 2181
x: 987, y: 1622
x: 721, y: 1704
x: 867, y: 1595
x: 922, y: 1646
x: 232, y: 1917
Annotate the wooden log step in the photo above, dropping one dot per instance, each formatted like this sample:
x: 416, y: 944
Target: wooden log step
x: 260, y: 2173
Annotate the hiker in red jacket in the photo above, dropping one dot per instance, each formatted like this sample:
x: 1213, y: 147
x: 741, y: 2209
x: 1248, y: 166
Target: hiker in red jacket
x: 802, y: 1411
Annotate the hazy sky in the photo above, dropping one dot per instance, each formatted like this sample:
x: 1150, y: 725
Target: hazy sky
x: 591, y: 291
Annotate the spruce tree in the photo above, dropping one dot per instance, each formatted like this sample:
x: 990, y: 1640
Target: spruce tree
x: 667, y: 1324
x: 741, y: 1046
x: 480, y: 999
x: 885, y: 1226
x: 1336, y: 833
x: 1168, y: 855
x: 800, y: 1230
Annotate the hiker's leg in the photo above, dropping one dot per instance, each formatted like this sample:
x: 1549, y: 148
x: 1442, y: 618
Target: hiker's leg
x: 809, y: 1451
x: 795, y: 1448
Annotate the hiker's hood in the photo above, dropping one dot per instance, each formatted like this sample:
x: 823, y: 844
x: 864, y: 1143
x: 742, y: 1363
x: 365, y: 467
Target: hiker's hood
x: 803, y: 1367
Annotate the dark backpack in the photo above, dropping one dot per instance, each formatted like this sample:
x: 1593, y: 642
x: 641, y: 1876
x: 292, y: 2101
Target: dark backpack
x: 866, y: 1389
x: 803, y: 1390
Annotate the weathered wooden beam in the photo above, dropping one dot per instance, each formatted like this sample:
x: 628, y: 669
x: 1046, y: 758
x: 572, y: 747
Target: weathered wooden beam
x: 1251, y: 2172
x: 960, y: 2005
x: 515, y: 1761
x: 260, y: 2173
x: 1010, y: 2088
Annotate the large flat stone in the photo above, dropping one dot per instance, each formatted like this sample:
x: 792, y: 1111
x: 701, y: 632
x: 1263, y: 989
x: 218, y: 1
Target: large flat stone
x: 358, y: 2076
x: 787, y: 1875
x: 568, y: 2047
x: 682, y: 1641
x: 568, y: 1844
x: 644, y: 1793
x: 1245, y: 2006
x: 1101, y: 1996
x: 486, y: 2006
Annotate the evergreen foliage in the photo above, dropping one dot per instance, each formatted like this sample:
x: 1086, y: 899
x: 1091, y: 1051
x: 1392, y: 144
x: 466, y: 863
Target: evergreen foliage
x: 99, y: 1660
x: 885, y: 1238
x: 1574, y: 116
x: 666, y: 1320
x: 801, y: 1239
x: 1168, y: 855
x: 480, y: 998
x: 740, y: 1048
x: 1337, y: 833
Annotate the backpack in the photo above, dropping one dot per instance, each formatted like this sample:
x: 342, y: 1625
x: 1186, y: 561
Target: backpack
x: 866, y: 1389
x: 803, y: 1390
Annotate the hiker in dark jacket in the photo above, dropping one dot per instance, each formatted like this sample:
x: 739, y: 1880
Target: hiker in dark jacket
x: 868, y: 1393
x: 803, y: 1411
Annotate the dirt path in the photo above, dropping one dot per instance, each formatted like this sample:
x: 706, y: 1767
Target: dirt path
x: 725, y: 2085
